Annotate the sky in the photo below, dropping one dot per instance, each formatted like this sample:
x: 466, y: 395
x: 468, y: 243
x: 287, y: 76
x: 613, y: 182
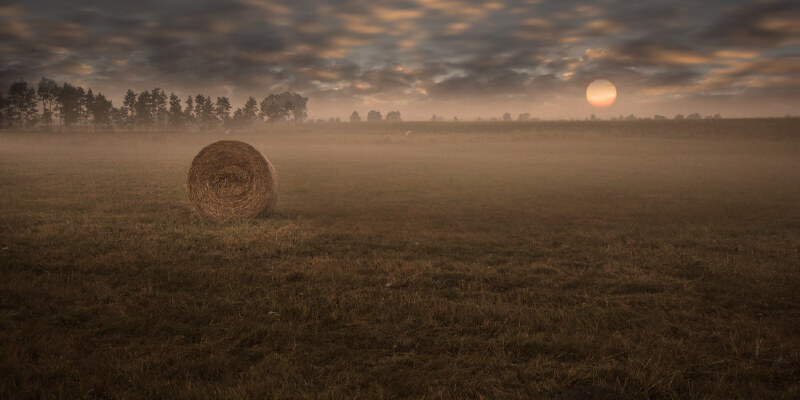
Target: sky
x: 460, y: 58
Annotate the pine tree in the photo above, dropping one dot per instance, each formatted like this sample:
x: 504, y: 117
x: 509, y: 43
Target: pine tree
x: 175, y: 114
x: 158, y: 107
x: 188, y: 113
x: 222, y: 110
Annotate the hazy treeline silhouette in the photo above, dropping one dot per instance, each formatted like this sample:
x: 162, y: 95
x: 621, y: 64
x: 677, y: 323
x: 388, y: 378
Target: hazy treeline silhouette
x: 50, y: 104
x: 376, y: 116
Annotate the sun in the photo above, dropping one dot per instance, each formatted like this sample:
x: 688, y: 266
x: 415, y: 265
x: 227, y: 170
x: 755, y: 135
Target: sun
x: 601, y: 93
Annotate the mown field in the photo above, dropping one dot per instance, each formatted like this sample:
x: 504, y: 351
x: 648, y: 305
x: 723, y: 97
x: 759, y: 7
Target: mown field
x: 464, y: 260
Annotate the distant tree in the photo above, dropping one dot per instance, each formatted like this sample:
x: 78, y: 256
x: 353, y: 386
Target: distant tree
x: 69, y: 104
x: 299, y: 106
x: 280, y: 107
x: 222, y: 110
x: 100, y: 111
x: 355, y: 117
x: 199, y: 101
x: 507, y: 117
x: 524, y: 117
x: 3, y: 105
x: 128, y: 109
x: 158, y: 107
x: 374, y: 116
x: 679, y: 117
x: 694, y: 116
x: 274, y: 108
x: 208, y: 119
x: 144, y: 109
x: 659, y: 117
x: 47, y: 92
x: 246, y: 115
x: 717, y: 116
x: 21, y: 105
x: 175, y: 116
x: 593, y: 118
x: 434, y: 118
x: 630, y: 118
x: 204, y: 112
x: 87, y: 105
x: 118, y: 116
x: 188, y: 113
x: 393, y: 116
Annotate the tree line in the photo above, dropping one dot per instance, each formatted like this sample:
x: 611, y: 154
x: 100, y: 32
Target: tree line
x: 375, y: 116
x: 71, y: 107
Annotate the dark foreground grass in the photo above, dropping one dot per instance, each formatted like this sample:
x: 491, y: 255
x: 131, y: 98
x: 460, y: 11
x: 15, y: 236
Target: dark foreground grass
x: 409, y: 267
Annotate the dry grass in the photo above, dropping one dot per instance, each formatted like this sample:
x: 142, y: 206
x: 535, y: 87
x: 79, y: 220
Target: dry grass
x: 489, y: 265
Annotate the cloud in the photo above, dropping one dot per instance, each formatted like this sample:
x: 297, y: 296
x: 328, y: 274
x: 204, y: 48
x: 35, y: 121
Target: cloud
x: 757, y: 24
x: 406, y: 51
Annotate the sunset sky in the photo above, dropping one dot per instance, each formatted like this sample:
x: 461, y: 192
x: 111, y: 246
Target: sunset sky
x: 449, y: 57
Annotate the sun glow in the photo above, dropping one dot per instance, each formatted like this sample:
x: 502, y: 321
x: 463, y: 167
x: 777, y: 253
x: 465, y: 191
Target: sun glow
x: 601, y: 93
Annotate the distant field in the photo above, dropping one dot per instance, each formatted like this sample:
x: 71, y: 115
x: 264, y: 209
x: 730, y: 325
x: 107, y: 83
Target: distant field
x: 463, y: 260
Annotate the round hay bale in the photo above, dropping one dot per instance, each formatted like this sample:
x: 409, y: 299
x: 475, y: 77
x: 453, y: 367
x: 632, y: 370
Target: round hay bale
x: 231, y: 179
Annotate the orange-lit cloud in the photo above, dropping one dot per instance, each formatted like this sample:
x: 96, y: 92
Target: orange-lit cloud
x: 435, y: 53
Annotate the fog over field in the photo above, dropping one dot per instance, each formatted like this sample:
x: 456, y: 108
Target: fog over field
x: 499, y: 260
x: 399, y: 199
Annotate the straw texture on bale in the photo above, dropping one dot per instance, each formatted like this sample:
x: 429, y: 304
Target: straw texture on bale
x: 231, y: 179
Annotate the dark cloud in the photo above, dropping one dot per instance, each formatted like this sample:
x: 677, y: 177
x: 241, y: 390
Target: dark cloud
x: 406, y: 52
x: 757, y: 24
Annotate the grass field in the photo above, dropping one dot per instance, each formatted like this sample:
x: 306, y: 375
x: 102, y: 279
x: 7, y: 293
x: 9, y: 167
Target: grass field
x: 465, y: 260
